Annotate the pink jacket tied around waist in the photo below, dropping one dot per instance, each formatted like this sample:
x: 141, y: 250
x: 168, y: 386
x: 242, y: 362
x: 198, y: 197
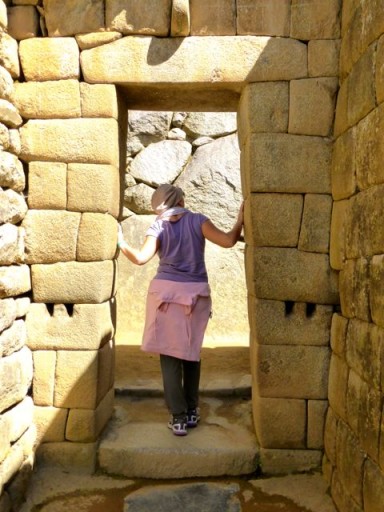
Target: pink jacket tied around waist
x: 176, y: 318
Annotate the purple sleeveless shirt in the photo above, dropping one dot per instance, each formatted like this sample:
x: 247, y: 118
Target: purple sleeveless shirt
x: 181, y: 250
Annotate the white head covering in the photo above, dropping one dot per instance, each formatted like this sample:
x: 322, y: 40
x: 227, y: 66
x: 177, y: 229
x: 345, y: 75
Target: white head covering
x: 166, y: 196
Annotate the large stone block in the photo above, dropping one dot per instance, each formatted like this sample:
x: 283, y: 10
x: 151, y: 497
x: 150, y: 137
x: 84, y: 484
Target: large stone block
x: 180, y: 19
x: 126, y: 61
x: 48, y: 100
x: 97, y: 237
x: 85, y: 425
x: 354, y: 289
x: 339, y: 334
x: 263, y: 17
x: 323, y: 57
x: 330, y: 435
x: 273, y: 162
x: 106, y: 370
x: 71, y: 140
x: 277, y: 462
x: 15, y: 377
x: 76, y: 381
x: 93, y: 39
x: 273, y: 219
x: 274, y: 324
x: 47, y: 186
x: 263, y: 107
x: 282, y: 371
x: 373, y: 487
x: 19, y: 418
x: 364, y: 228
x: 341, y: 496
x: 45, y: 58
x: 337, y: 387
x: 7, y: 86
x: 13, y: 338
x: 370, y: 149
x: 361, y: 87
x: 93, y: 188
x: 44, y: 363
x: 316, y: 222
x: 341, y: 115
x: 289, y: 274
x: 376, y: 298
x: 364, y: 407
x: 14, y: 280
x: 129, y: 17
x: 51, y: 236
x: 23, y: 22
x: 50, y: 423
x: 69, y: 456
x: 312, y: 106
x: 316, y: 420
x: 379, y: 79
x: 208, y: 18
x: 280, y: 424
x: 364, y: 342
x: 69, y: 17
x: 86, y: 327
x: 337, y: 256
x: 350, y: 462
x: 98, y: 100
x: 73, y: 282
x: 315, y: 20
x: 5, y: 440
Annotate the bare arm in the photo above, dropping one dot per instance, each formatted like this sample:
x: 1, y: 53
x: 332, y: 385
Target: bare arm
x: 139, y: 256
x: 222, y: 238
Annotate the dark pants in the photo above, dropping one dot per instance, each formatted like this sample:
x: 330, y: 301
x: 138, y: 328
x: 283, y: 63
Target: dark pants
x: 181, y: 383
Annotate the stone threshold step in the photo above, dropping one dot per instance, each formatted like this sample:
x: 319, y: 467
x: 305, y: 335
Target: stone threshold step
x: 138, y: 444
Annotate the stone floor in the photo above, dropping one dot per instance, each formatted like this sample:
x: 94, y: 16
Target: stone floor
x: 140, y: 457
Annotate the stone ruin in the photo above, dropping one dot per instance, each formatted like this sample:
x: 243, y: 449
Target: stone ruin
x: 306, y: 79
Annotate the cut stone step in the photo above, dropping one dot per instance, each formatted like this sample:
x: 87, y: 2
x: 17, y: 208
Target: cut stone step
x: 138, y: 444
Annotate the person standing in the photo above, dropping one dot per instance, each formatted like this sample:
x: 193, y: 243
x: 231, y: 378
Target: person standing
x: 179, y: 298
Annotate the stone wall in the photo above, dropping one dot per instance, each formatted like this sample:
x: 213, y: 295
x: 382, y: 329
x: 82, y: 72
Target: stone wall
x: 354, y: 435
x: 199, y: 152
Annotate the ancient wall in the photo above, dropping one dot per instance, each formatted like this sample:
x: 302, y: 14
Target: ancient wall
x: 354, y: 436
x: 78, y: 66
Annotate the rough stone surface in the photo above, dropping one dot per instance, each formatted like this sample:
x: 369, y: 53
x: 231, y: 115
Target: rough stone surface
x: 337, y: 235
x: 316, y: 419
x: 47, y: 187
x: 9, y: 114
x: 339, y: 333
x: 71, y: 140
x: 273, y: 162
x: 6, y: 84
x: 323, y: 57
x: 44, y: 363
x: 272, y: 324
x: 315, y: 227
x: 49, y: 58
x: 148, y: 126
x: 128, y: 17
x: 12, y: 206
x: 69, y: 17
x: 99, y: 195
x: 13, y: 338
x: 15, y: 377
x: 138, y: 198
x: 66, y: 456
x: 354, y: 286
x: 288, y: 274
x: 281, y: 371
x: 280, y: 461
x: 210, y: 124
x: 89, y: 326
x: 373, y: 486
x: 7, y: 313
x: 337, y: 388
x: 273, y: 219
x: 214, y: 497
x: 73, y: 282
x: 168, y: 158
x: 50, y: 423
x: 314, y: 20
x: 180, y: 19
x: 11, y: 245
x: 48, y: 100
x: 19, y: 418
x: 11, y: 172
x: 51, y: 236
x: 9, y: 57
x: 98, y: 100
x: 344, y: 166
x: 86, y: 41
x: 263, y: 17
x: 14, y: 280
